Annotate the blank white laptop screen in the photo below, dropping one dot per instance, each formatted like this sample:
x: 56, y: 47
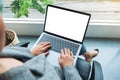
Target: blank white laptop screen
x: 66, y: 23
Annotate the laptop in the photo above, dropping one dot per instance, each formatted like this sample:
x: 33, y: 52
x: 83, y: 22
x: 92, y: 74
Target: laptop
x: 64, y: 28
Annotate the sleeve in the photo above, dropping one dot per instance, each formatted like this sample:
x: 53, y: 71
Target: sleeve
x: 14, y: 52
x: 71, y: 73
x: 18, y: 73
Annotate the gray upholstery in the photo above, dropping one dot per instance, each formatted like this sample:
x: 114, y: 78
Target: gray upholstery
x: 97, y: 73
x: 22, y: 44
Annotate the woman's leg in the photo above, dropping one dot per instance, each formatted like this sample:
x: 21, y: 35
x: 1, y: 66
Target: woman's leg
x: 83, y: 50
x: 89, y: 55
x: 83, y: 66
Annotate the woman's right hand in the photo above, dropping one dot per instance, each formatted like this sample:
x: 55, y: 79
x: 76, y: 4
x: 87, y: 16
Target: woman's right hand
x: 42, y: 47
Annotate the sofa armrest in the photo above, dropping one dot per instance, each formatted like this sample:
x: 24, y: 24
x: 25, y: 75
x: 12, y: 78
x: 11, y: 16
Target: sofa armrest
x: 22, y: 44
x: 97, y: 72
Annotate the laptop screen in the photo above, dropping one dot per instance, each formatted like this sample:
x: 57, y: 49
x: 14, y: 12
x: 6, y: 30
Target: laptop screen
x: 66, y: 23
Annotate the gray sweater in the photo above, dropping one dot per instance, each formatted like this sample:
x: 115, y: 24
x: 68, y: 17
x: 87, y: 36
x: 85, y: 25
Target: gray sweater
x: 36, y: 68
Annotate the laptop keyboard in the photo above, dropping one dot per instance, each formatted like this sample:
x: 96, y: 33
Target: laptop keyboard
x: 58, y: 44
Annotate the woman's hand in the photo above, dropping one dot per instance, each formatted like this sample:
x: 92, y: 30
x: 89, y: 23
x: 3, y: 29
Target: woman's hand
x: 42, y: 47
x: 66, y: 58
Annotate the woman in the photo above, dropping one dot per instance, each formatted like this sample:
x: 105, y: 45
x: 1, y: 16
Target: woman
x: 13, y: 67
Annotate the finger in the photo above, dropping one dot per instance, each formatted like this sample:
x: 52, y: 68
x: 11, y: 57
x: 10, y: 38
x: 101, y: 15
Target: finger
x: 60, y: 56
x: 47, y: 47
x: 62, y: 52
x: 65, y: 50
x: 46, y: 43
x: 69, y: 52
x: 41, y: 43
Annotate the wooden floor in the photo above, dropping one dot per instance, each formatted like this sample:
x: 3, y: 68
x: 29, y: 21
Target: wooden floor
x: 109, y: 56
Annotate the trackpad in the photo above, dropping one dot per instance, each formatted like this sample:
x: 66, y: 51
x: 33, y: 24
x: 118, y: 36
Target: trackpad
x: 53, y: 58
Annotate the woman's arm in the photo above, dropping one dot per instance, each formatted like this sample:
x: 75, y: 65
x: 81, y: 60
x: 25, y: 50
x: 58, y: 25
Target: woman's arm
x: 66, y: 62
x: 71, y: 73
x: 41, y: 48
x: 25, y: 52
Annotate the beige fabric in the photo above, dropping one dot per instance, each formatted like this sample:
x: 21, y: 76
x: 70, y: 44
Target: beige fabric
x: 11, y: 37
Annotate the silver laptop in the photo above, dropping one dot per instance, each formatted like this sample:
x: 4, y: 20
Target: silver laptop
x: 64, y: 28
